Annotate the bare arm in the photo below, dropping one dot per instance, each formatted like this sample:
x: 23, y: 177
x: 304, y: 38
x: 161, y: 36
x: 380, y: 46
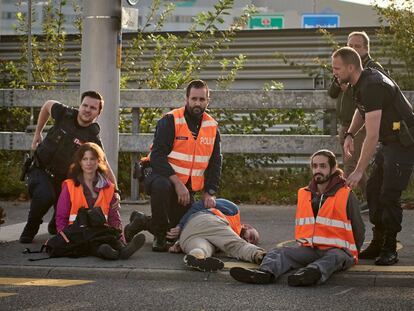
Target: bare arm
x: 356, y: 124
x: 372, y: 125
x: 45, y: 113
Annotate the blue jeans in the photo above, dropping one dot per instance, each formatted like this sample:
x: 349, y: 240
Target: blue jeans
x: 390, y: 175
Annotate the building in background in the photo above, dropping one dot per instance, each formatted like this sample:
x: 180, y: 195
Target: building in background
x: 273, y: 14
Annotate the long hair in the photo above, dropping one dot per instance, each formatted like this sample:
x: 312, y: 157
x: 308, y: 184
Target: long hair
x: 75, y: 169
x: 333, y: 164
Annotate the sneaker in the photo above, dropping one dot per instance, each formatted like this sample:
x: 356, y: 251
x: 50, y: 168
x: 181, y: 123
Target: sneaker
x: 305, y: 277
x: 252, y: 276
x: 137, y: 242
x: 209, y: 264
x: 105, y: 251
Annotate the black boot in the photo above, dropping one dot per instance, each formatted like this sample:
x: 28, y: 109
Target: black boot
x: 105, y: 251
x: 136, y: 243
x: 374, y: 248
x: 388, y: 255
x: 29, y: 232
x: 159, y: 244
x: 138, y: 222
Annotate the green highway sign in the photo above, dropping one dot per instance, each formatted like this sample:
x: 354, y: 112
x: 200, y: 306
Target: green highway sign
x: 266, y: 22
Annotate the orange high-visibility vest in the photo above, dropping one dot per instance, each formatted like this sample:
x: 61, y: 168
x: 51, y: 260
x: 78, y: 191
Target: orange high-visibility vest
x: 330, y: 228
x: 234, y: 220
x: 78, y: 200
x: 189, y: 157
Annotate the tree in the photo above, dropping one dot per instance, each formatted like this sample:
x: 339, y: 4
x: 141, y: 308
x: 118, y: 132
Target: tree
x: 397, y: 38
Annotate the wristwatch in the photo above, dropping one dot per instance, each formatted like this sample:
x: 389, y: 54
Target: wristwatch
x: 211, y: 192
x: 349, y: 134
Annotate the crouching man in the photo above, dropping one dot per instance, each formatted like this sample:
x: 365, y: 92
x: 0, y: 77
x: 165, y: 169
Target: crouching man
x: 329, y: 231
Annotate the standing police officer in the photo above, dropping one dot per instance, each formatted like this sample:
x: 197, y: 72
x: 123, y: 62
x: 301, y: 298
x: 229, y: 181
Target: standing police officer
x: 53, y: 155
x: 387, y: 115
x: 345, y: 106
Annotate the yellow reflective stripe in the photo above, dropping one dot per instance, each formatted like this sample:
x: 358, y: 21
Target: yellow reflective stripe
x: 180, y: 170
x: 209, y: 123
x: 201, y: 159
x: 180, y: 120
x: 180, y: 156
x: 305, y: 221
x: 333, y: 223
x: 332, y: 241
x: 197, y: 172
x: 188, y: 157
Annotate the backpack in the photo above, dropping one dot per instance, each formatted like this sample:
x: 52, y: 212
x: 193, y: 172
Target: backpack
x: 81, y: 238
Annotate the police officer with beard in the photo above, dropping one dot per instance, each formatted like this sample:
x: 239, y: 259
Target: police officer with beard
x: 185, y: 158
x: 53, y: 155
x: 388, y: 119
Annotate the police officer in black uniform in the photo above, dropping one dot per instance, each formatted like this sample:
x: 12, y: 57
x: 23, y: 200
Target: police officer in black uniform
x: 389, y: 120
x: 53, y: 155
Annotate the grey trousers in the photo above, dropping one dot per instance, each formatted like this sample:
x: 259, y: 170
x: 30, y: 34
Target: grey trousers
x: 280, y: 260
x: 207, y: 232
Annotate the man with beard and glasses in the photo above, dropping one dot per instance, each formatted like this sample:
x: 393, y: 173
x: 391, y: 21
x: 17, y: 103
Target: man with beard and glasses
x: 185, y: 158
x: 328, y: 229
x: 53, y: 155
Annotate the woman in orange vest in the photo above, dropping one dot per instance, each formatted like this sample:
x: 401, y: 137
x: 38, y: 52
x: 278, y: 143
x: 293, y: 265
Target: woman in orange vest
x: 203, y: 230
x: 87, y: 187
x: 328, y: 229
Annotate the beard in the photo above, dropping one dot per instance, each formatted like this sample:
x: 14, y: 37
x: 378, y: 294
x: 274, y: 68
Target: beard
x: 320, y: 179
x: 196, y: 111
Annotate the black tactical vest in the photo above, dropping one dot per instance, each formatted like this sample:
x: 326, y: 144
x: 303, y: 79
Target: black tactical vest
x: 55, y: 152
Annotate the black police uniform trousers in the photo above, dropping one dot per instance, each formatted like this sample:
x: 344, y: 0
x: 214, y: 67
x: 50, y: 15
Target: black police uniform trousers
x: 44, y: 191
x: 166, y: 212
x: 390, y: 175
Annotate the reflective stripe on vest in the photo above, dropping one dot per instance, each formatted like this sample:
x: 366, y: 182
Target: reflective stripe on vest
x: 78, y: 200
x: 234, y: 220
x: 331, y: 228
x: 189, y: 157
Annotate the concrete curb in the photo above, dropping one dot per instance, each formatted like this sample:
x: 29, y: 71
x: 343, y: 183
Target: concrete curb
x: 353, y: 279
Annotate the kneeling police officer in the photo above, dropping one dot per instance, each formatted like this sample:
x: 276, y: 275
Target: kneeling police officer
x: 53, y: 155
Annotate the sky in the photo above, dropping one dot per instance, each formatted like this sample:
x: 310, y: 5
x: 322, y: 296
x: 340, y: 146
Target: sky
x: 368, y: 2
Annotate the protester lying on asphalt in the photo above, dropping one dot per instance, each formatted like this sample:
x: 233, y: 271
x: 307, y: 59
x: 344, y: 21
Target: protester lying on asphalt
x: 202, y: 230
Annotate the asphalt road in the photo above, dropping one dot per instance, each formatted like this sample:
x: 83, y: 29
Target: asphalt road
x: 110, y: 294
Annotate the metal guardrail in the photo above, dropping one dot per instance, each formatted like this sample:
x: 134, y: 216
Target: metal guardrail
x: 135, y: 142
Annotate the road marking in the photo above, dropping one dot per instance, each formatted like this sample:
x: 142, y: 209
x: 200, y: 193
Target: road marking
x: 42, y: 282
x: 247, y: 265
x: 6, y: 294
x: 12, y: 232
x: 372, y: 268
x: 344, y: 291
